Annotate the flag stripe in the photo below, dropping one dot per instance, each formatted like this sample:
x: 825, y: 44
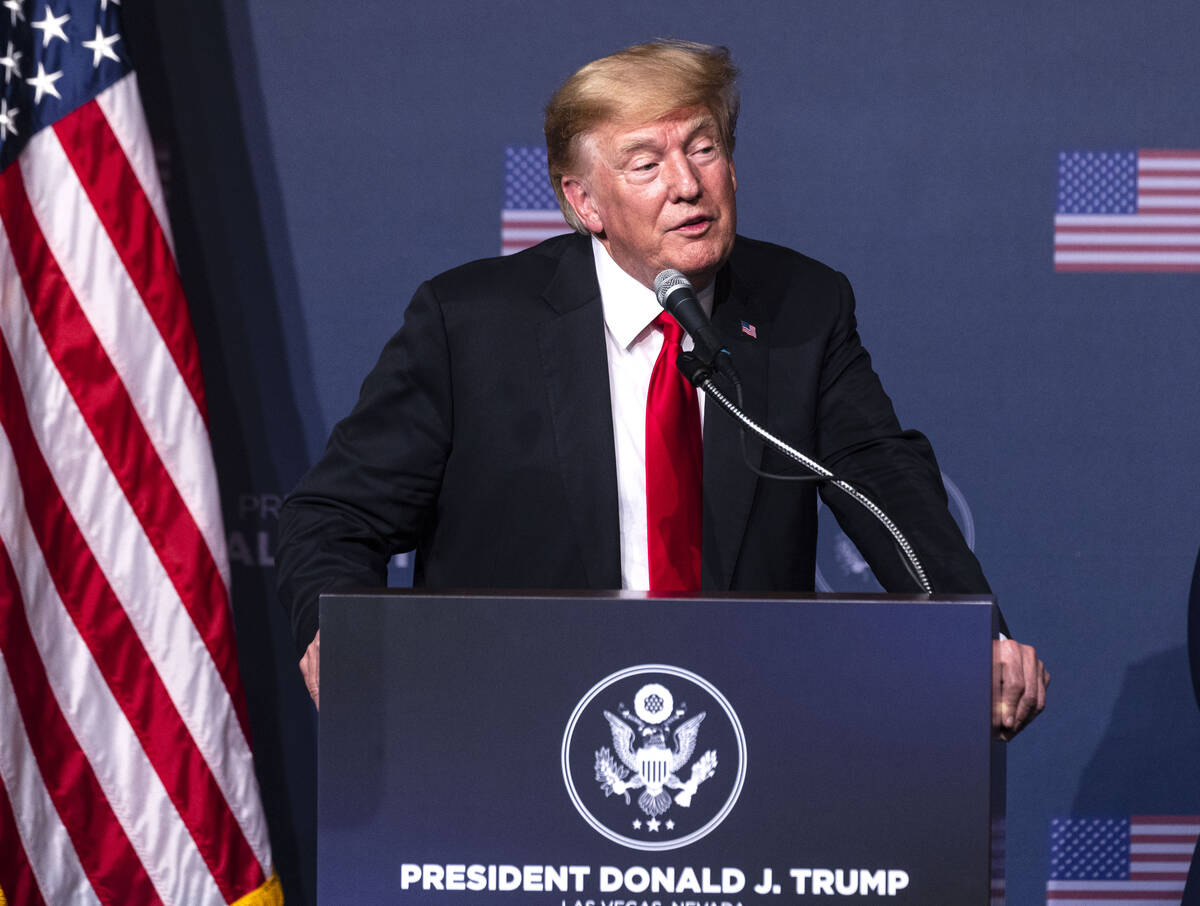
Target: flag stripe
x: 1187, y: 180
x: 1113, y: 267
x: 122, y: 659
x: 1125, y: 895
x: 122, y: 107
x: 1134, y: 260
x: 1113, y: 237
x: 1170, y: 168
x: 16, y: 874
x: 1166, y: 153
x: 1169, y: 183
x: 1159, y: 161
x: 113, y: 420
x: 97, y: 277
x: 511, y: 248
x: 1138, y: 256
x: 1170, y: 222
x: 118, y: 199
x: 113, y: 869
x: 1164, y: 846
x: 1144, y: 887
x: 1169, y: 206
x: 1126, y: 898
x: 1163, y: 861
x: 1156, y: 875
x: 533, y: 217
x: 537, y: 233
x: 1122, y: 248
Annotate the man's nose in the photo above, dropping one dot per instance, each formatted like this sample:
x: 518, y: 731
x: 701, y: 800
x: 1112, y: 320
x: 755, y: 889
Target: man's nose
x: 683, y: 180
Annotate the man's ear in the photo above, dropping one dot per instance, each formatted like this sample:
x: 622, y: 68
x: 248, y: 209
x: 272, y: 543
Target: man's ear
x: 582, y: 203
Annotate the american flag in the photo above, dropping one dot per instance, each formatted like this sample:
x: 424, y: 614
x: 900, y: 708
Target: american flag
x: 531, y: 211
x: 1138, y: 861
x: 126, y: 774
x: 1128, y: 211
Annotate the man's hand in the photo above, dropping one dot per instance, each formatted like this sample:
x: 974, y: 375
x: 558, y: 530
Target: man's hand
x: 1019, y: 681
x: 310, y: 666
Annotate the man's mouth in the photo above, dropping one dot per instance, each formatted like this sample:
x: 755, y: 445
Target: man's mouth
x: 693, y: 225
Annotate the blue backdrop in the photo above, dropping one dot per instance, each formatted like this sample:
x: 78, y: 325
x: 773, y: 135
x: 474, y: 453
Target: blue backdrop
x: 323, y: 160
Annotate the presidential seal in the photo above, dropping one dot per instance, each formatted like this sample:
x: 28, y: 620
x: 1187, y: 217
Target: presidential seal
x: 654, y: 757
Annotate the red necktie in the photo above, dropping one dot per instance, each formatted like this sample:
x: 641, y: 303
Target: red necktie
x: 673, y: 470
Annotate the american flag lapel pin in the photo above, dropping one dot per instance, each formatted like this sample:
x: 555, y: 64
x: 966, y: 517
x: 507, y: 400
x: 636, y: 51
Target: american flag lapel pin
x: 750, y: 330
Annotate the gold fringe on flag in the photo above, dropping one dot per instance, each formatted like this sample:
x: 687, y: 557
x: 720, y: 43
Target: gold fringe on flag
x: 270, y: 894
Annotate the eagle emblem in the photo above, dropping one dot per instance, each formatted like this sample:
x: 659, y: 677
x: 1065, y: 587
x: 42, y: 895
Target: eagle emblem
x: 650, y: 765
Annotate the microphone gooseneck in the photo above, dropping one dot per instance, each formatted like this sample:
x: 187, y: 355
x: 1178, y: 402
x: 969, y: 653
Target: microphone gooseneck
x: 700, y: 376
x: 675, y: 294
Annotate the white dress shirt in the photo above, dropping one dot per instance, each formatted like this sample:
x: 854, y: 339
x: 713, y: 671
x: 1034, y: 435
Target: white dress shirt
x: 633, y: 346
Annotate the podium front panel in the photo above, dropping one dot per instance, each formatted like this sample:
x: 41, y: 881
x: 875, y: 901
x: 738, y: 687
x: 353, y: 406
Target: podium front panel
x: 591, y: 750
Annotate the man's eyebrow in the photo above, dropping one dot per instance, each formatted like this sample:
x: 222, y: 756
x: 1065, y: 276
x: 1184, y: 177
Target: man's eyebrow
x: 700, y: 123
x: 697, y: 124
x: 636, y: 144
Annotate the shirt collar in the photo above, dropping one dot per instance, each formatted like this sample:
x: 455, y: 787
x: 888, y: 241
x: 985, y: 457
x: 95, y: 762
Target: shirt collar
x: 629, y: 307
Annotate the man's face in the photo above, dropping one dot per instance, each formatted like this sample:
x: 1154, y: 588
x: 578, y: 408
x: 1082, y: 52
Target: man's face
x: 659, y: 195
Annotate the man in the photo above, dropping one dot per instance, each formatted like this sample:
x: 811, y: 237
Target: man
x: 512, y: 431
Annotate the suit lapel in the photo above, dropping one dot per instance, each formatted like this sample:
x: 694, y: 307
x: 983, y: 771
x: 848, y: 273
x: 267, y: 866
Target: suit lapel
x: 729, y: 485
x: 575, y: 364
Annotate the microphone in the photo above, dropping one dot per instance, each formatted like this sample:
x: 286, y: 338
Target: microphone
x: 676, y: 295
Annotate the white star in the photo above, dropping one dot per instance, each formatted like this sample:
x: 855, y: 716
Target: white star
x: 10, y: 62
x: 670, y: 824
x: 637, y: 825
x: 14, y: 7
x: 101, y: 47
x: 44, y: 83
x: 8, y: 119
x: 653, y: 824
x: 52, y: 27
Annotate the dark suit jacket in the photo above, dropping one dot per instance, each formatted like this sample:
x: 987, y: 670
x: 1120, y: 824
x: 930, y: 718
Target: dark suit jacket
x: 483, y: 439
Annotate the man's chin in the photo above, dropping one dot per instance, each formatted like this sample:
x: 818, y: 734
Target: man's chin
x: 700, y: 263
x: 700, y: 272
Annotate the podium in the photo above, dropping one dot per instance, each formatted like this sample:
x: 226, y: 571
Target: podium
x: 618, y: 748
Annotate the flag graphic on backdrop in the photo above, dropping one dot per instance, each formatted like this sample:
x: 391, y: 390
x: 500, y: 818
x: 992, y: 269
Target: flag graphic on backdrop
x: 126, y: 774
x: 531, y: 211
x: 1128, y: 211
x: 1138, y: 861
x: 997, y: 889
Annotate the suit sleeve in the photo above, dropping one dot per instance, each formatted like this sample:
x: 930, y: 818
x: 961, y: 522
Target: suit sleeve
x: 375, y: 488
x: 860, y: 439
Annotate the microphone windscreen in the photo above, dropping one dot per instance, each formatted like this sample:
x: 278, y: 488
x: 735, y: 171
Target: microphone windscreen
x: 667, y: 282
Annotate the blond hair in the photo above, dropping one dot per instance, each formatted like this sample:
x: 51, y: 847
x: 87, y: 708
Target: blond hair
x: 638, y: 85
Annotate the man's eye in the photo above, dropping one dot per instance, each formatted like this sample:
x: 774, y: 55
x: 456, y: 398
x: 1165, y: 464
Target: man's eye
x: 645, y: 168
